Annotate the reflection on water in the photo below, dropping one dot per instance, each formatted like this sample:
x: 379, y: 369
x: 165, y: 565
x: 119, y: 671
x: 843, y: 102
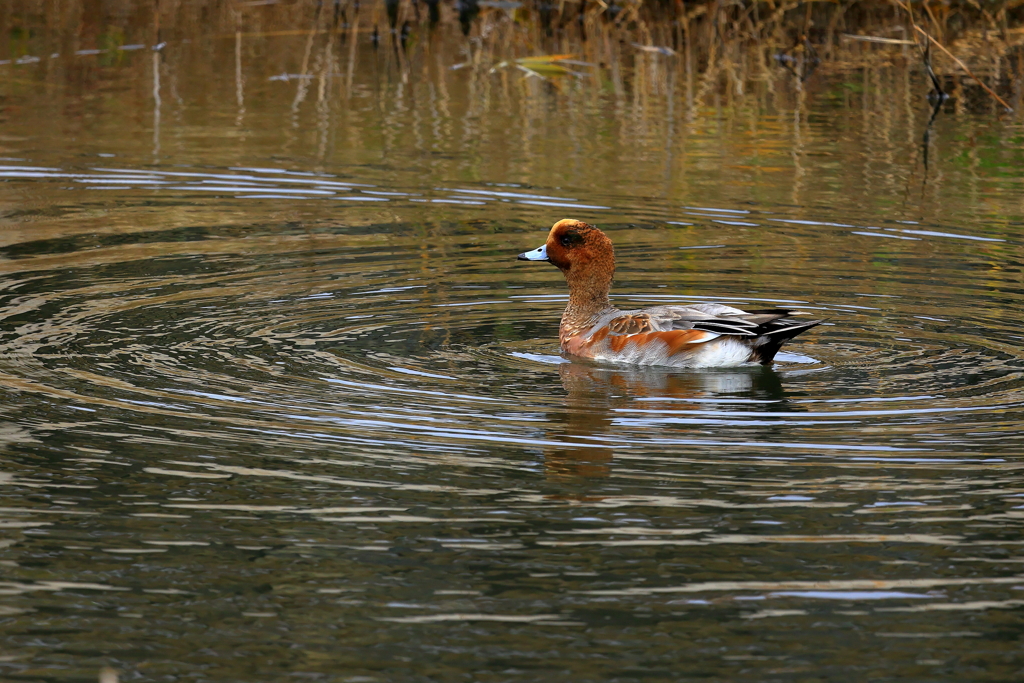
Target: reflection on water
x: 275, y: 399
x: 597, y: 396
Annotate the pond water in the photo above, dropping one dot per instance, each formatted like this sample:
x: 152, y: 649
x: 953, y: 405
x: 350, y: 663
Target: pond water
x: 278, y: 402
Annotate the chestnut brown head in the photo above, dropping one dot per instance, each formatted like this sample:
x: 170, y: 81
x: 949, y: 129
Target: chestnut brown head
x: 573, y: 244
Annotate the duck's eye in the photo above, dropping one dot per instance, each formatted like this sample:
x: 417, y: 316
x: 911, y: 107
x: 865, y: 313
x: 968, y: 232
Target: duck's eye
x: 570, y: 239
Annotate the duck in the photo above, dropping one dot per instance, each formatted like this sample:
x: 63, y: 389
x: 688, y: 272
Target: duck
x: 702, y: 335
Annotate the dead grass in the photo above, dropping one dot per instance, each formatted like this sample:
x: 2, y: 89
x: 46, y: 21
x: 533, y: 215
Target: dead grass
x: 651, y: 46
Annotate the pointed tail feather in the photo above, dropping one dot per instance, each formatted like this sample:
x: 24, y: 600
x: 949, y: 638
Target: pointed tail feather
x: 776, y: 333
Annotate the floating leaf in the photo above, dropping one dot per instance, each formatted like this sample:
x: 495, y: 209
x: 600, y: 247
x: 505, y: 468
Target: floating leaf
x: 544, y: 59
x: 656, y: 49
x: 543, y: 66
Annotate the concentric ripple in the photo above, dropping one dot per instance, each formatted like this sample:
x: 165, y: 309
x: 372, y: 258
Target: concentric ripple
x: 367, y: 421
x: 387, y: 335
x: 285, y: 333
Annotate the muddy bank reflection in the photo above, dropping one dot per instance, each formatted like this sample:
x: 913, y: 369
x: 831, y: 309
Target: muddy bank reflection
x: 681, y: 104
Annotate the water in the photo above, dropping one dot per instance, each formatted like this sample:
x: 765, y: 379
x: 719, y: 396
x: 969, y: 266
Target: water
x: 277, y: 401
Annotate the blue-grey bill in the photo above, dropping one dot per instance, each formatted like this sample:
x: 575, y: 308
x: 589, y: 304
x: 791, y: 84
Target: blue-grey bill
x: 538, y: 254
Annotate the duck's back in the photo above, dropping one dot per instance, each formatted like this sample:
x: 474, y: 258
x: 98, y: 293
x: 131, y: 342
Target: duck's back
x: 698, y: 335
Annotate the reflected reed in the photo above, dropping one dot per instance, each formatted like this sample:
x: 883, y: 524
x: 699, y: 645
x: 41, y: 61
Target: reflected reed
x: 498, y: 89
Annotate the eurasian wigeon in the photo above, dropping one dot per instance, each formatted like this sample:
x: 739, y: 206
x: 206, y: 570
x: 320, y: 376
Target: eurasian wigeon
x: 694, y: 336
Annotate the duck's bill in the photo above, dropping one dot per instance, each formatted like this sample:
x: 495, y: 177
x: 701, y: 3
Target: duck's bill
x: 539, y: 254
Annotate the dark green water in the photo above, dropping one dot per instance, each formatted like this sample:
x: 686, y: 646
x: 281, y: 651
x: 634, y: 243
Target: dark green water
x: 277, y: 402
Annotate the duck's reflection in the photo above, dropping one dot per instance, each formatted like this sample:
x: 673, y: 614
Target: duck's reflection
x: 594, y: 394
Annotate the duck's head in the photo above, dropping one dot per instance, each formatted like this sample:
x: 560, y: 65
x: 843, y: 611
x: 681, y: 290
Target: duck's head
x: 575, y: 246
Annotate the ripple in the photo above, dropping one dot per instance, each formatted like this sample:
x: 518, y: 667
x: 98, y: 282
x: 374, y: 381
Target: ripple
x: 367, y: 418
x: 433, y: 357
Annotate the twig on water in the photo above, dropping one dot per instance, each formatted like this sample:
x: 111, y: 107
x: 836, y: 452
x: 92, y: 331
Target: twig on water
x: 936, y: 84
x: 949, y: 54
x: 877, y: 39
x: 927, y: 137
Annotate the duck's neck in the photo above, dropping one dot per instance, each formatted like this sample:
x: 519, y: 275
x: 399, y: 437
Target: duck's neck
x: 588, y: 300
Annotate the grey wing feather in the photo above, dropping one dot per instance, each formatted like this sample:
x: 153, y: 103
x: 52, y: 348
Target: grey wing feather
x: 727, y: 320
x: 708, y: 317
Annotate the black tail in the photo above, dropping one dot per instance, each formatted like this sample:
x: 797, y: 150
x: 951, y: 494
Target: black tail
x: 773, y: 333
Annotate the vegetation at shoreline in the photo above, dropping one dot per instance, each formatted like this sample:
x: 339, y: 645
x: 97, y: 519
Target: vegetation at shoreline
x: 715, y: 45
x: 553, y: 94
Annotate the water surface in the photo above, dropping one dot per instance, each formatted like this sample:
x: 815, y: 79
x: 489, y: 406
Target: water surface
x: 276, y: 400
